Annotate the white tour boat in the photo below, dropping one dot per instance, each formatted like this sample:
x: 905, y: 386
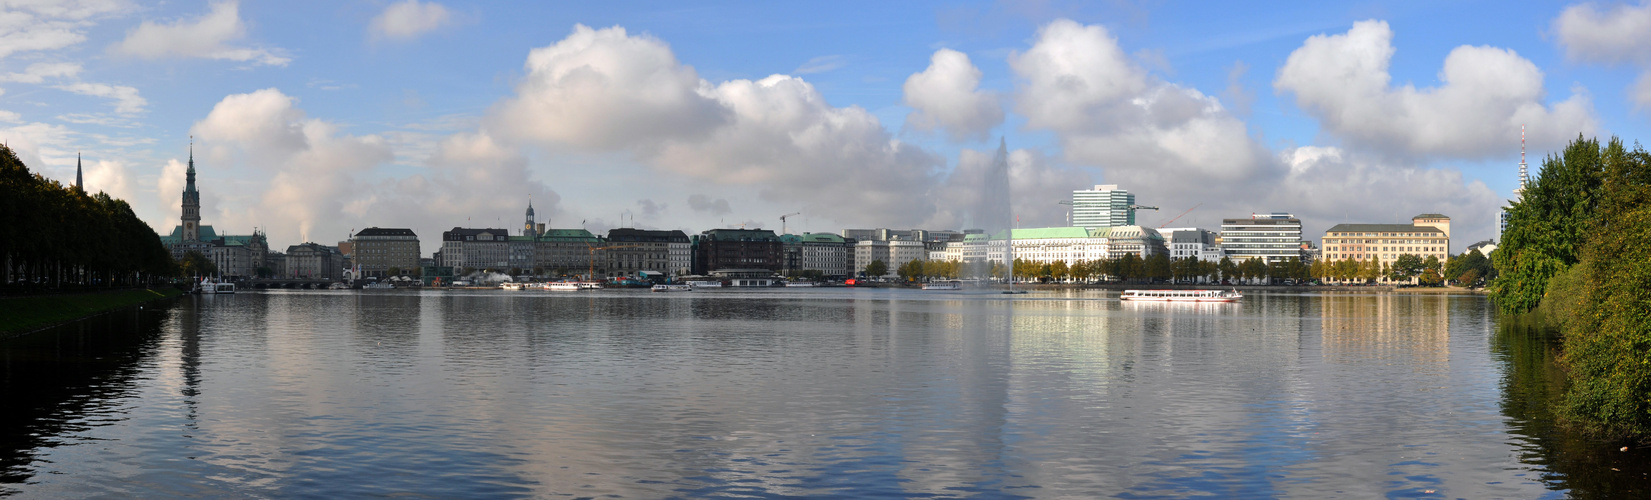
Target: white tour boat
x: 1181, y: 295
x: 675, y: 287
x: 511, y: 285
x: 801, y: 284
x: 943, y: 285
x: 209, y: 286
x: 705, y: 284
x: 562, y: 286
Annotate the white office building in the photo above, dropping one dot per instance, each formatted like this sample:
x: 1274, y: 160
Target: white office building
x: 1192, y: 242
x: 1273, y: 237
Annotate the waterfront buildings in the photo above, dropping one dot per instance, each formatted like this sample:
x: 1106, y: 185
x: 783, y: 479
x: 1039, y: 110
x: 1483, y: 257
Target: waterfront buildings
x: 894, y: 253
x: 235, y: 255
x: 1046, y: 245
x: 1106, y: 205
x: 829, y: 254
x: 466, y: 249
x: 741, y: 249
x: 636, y: 252
x: 1427, y: 235
x: 1184, y: 242
x: 314, y: 261
x: 375, y: 251
x: 1273, y: 237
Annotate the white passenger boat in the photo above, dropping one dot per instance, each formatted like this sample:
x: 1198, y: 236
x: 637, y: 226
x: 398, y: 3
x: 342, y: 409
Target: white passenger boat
x: 1181, y: 295
x: 801, y: 284
x: 562, y: 286
x: 590, y: 285
x: 705, y: 284
x: 209, y: 286
x: 511, y: 285
x: 379, y: 286
x: 677, y: 287
x: 943, y: 285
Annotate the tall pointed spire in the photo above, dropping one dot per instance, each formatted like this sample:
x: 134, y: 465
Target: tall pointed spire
x: 78, y: 185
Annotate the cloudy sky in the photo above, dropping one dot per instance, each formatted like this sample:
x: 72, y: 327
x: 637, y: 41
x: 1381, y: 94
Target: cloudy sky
x: 312, y: 119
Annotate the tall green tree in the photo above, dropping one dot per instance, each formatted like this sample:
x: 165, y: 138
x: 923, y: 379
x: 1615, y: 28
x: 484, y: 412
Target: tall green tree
x: 1547, y: 225
x: 876, y: 268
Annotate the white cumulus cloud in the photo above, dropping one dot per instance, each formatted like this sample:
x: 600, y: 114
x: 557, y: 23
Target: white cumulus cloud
x: 604, y: 89
x: 207, y: 37
x: 1485, y: 94
x: 1619, y: 34
x: 947, y: 96
x: 607, y: 90
x: 1109, y: 112
x: 410, y: 19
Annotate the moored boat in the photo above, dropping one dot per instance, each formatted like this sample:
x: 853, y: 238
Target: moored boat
x: 705, y: 284
x: 562, y: 286
x: 801, y: 284
x: 511, y: 285
x: 675, y: 287
x: 1181, y: 295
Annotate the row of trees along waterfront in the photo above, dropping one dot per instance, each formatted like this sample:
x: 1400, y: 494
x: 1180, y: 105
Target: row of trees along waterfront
x: 53, y: 236
x: 1576, y: 255
x: 1470, y: 269
x: 1127, y: 267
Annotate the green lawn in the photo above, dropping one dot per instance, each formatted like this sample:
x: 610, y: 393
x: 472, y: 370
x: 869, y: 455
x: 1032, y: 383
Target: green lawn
x: 24, y: 314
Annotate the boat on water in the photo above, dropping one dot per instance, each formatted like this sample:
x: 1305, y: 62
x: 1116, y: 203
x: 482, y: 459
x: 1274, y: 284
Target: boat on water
x: 379, y: 286
x: 562, y: 286
x: 590, y: 285
x: 801, y: 284
x: 705, y: 284
x: 511, y: 285
x: 676, y: 287
x: 209, y: 286
x: 944, y: 285
x: 1181, y: 295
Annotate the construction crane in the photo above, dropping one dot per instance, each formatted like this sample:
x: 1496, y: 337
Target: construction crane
x: 782, y: 221
x: 1183, y: 214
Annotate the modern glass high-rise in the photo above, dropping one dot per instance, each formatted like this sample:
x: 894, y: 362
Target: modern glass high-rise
x: 1104, y: 206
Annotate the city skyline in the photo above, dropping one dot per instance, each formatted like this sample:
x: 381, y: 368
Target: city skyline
x: 436, y: 115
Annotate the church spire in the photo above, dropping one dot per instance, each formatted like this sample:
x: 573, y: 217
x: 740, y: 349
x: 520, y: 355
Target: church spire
x: 78, y: 185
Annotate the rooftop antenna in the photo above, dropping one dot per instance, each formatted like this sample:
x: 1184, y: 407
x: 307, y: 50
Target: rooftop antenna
x: 1524, y: 175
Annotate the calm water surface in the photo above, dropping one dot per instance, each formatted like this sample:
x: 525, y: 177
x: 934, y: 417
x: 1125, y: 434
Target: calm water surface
x: 770, y: 393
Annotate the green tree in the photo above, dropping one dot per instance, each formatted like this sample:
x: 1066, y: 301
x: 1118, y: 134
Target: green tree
x: 1605, y: 304
x: 1229, y: 269
x: 1547, y: 225
x: 876, y: 268
x: 195, y: 264
x: 1408, y: 266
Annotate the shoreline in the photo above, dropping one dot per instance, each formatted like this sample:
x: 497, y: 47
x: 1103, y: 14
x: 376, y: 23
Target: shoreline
x: 23, y: 315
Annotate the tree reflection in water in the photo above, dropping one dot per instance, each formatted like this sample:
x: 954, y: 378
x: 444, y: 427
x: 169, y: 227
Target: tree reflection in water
x: 1533, y: 388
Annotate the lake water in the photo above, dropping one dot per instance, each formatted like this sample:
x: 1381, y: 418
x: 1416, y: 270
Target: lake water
x: 792, y: 392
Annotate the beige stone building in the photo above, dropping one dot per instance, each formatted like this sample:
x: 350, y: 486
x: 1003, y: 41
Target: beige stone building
x: 1427, y: 235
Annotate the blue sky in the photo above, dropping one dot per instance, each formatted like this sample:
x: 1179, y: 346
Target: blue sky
x: 315, y: 118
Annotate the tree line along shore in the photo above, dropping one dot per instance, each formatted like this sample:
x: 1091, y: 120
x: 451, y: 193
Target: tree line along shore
x: 68, y: 254
x: 1576, y: 258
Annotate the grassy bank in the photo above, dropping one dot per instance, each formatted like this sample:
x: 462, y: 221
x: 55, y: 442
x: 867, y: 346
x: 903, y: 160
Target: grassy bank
x: 19, y: 315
